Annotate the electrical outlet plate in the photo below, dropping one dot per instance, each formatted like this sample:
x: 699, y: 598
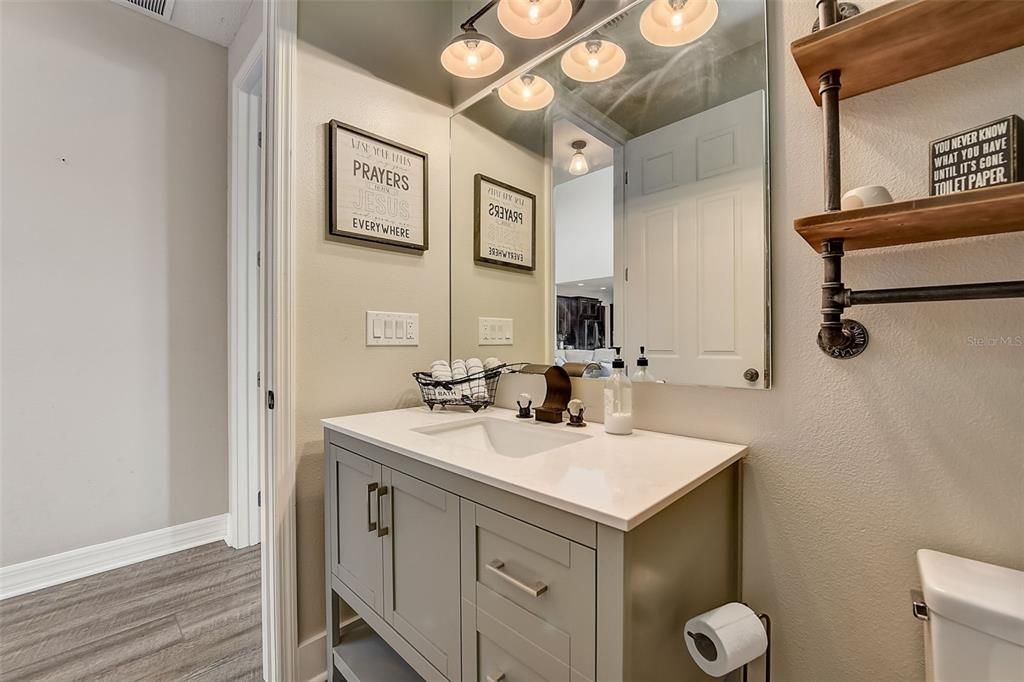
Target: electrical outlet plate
x: 392, y: 329
x: 495, y: 331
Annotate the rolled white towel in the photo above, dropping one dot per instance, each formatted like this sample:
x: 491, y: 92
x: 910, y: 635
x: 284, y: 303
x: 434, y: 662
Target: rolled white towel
x: 459, y: 372
x: 491, y: 363
x: 477, y: 386
x: 440, y: 370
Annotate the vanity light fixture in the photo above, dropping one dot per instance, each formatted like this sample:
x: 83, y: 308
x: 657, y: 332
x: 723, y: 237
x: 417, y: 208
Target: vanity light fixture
x: 527, y: 93
x: 593, y: 59
x: 578, y: 163
x: 670, y: 23
x: 472, y: 55
x: 534, y: 19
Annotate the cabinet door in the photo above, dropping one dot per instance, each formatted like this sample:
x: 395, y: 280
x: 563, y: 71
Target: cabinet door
x: 421, y: 569
x: 357, y: 550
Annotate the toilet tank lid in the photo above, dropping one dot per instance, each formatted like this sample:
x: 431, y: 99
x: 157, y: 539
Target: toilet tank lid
x: 982, y: 596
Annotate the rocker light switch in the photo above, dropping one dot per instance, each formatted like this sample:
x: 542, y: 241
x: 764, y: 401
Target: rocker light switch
x: 392, y: 329
x: 495, y: 331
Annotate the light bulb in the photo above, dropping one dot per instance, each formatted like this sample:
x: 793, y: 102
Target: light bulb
x: 578, y: 163
x: 670, y: 23
x: 533, y: 14
x: 472, y: 55
x: 593, y: 59
x: 527, y: 93
x: 533, y: 19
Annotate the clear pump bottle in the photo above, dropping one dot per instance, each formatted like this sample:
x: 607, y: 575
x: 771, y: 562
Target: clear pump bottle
x: 643, y: 373
x: 618, y: 399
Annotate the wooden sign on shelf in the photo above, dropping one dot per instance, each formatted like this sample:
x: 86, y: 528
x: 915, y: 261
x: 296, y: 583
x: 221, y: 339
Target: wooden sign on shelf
x: 985, y: 156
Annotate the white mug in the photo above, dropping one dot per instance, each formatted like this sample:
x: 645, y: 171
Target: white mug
x: 868, y: 195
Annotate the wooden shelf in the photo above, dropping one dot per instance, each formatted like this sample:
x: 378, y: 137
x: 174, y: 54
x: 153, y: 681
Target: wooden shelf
x: 993, y: 210
x: 906, y: 39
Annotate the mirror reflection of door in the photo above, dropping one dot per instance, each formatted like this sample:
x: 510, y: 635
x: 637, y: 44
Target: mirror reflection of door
x: 695, y: 244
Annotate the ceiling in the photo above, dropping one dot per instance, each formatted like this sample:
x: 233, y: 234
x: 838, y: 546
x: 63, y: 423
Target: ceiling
x: 215, y: 20
x: 400, y: 41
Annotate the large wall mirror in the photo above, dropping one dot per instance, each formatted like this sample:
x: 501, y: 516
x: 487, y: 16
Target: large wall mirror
x: 615, y: 194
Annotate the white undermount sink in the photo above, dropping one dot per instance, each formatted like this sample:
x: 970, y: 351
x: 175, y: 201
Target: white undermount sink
x: 510, y: 439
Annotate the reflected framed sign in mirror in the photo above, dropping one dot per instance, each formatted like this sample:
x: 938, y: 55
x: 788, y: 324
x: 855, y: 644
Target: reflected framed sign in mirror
x: 504, y: 224
x: 648, y: 168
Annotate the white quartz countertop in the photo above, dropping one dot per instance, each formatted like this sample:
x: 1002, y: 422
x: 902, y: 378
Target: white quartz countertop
x: 618, y: 481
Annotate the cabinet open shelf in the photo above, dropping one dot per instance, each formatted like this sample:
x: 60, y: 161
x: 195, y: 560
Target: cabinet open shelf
x: 992, y: 210
x: 905, y: 39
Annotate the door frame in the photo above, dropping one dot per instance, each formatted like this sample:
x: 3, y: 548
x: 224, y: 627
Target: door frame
x: 245, y: 442
x: 277, y: 520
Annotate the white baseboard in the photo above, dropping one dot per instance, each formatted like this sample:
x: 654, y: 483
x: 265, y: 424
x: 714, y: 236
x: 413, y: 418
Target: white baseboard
x: 79, y: 563
x: 313, y: 659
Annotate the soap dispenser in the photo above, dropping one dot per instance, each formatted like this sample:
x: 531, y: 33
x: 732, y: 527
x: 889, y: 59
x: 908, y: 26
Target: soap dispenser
x: 618, y: 399
x: 642, y: 373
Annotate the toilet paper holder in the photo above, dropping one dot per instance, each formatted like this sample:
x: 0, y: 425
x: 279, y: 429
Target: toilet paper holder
x: 707, y: 648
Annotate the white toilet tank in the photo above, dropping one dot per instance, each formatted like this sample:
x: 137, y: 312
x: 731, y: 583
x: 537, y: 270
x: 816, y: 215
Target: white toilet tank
x: 975, y: 627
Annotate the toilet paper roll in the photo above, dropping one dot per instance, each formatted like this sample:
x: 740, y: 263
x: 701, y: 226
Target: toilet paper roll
x: 725, y: 638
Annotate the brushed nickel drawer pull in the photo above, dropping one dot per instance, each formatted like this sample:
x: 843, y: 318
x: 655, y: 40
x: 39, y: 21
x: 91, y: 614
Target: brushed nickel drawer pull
x: 370, y: 523
x: 499, y: 678
x: 535, y: 590
x: 382, y: 530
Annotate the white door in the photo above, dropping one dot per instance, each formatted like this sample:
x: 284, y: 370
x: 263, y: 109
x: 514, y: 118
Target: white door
x: 695, y: 246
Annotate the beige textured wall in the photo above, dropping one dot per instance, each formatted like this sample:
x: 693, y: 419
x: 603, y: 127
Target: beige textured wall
x: 856, y: 464
x: 338, y: 282
x: 489, y: 291
x: 114, y: 277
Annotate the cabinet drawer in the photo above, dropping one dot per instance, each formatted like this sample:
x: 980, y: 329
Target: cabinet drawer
x: 536, y: 583
x: 504, y: 656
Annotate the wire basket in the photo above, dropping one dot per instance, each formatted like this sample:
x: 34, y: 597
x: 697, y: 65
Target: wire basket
x: 475, y: 391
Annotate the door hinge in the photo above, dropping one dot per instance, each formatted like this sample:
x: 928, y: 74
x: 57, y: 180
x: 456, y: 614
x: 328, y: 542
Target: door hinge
x: 259, y: 258
x: 259, y: 379
x: 270, y: 400
x: 259, y: 498
x: 627, y: 274
x: 625, y: 177
x: 259, y: 139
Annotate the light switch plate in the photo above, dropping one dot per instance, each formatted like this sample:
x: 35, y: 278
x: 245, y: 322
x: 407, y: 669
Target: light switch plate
x: 392, y: 329
x: 495, y: 331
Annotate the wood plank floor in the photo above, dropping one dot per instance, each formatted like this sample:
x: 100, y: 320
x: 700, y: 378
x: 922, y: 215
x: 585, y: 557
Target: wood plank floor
x: 193, y: 615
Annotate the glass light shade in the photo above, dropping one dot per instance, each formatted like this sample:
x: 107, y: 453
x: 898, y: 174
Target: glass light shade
x: 534, y: 18
x: 593, y: 59
x: 472, y: 55
x: 527, y: 93
x: 670, y: 23
x: 578, y: 164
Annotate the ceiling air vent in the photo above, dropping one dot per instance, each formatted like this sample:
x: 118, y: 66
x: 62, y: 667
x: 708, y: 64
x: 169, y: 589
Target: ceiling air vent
x: 158, y: 9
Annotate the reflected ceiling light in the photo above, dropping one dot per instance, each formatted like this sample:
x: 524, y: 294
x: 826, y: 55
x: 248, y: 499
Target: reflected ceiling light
x: 534, y: 18
x: 593, y: 59
x: 527, y: 93
x: 472, y: 55
x: 669, y: 23
x: 578, y: 163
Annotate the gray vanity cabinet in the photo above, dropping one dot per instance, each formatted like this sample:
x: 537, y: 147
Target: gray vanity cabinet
x: 421, y: 570
x: 454, y: 580
x: 356, y: 550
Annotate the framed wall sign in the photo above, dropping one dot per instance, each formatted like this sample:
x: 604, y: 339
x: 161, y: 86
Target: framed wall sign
x: 377, y: 188
x: 504, y: 224
x: 992, y: 154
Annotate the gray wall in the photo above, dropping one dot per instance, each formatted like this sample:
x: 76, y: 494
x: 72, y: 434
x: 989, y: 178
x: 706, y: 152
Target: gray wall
x: 114, y: 277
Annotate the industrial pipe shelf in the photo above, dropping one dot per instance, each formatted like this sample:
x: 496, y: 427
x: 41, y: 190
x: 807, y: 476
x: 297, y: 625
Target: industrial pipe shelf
x: 887, y: 45
x: 906, y: 39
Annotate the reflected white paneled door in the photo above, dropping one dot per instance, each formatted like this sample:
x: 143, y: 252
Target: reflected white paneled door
x: 695, y: 246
